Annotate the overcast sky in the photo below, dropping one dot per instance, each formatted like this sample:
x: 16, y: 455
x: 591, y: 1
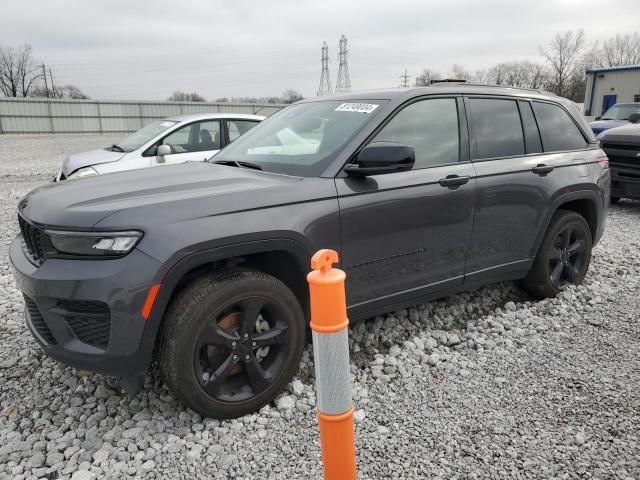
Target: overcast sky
x: 142, y: 49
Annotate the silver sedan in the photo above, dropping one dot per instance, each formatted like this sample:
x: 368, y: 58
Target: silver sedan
x: 183, y: 138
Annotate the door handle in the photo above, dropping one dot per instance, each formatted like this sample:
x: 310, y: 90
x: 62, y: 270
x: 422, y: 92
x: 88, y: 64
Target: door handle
x: 453, y: 181
x: 542, y: 169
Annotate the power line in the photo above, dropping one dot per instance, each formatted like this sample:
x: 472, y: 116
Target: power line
x: 404, y: 79
x: 343, y: 84
x: 325, y: 79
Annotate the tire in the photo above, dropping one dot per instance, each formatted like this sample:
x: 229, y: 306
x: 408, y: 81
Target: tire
x: 566, y: 253
x: 242, y: 361
x: 614, y: 200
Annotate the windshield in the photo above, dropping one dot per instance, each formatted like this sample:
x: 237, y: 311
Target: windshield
x: 145, y: 134
x: 620, y: 112
x: 300, y: 139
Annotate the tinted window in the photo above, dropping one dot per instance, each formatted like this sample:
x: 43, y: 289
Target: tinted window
x: 531, y: 134
x: 557, y: 129
x: 430, y: 127
x: 496, y: 128
x: 238, y: 127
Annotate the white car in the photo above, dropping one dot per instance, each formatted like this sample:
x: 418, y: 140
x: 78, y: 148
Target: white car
x: 183, y: 138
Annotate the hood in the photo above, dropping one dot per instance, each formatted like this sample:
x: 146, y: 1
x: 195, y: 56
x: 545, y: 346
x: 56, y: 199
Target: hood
x: 628, y: 133
x: 86, y: 159
x: 154, y: 194
x: 602, y: 125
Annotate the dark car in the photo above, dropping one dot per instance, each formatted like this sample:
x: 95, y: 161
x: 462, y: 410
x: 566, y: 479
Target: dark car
x: 622, y: 146
x: 424, y: 192
x: 615, y: 116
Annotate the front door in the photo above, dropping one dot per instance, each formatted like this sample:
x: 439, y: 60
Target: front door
x: 406, y: 234
x: 608, y: 101
x: 194, y: 142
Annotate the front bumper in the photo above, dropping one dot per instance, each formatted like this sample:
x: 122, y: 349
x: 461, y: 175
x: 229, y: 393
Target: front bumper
x: 625, y: 181
x: 87, y: 313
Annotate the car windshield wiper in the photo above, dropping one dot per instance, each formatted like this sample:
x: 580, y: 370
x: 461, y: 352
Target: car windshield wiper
x: 117, y: 148
x: 239, y: 164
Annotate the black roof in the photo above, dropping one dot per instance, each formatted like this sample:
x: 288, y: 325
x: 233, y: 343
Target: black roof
x: 439, y: 88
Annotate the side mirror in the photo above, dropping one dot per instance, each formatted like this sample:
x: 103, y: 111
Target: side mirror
x: 598, y: 117
x: 163, y: 150
x: 380, y: 158
x: 634, y: 117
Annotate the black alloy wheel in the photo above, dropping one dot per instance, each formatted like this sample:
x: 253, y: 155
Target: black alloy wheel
x: 231, y: 342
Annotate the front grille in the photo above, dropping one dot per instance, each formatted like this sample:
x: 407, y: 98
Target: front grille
x: 89, y: 320
x: 624, y: 161
x: 33, y: 240
x: 622, y: 146
x: 38, y: 322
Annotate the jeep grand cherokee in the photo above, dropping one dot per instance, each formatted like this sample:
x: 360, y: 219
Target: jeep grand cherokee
x: 424, y: 192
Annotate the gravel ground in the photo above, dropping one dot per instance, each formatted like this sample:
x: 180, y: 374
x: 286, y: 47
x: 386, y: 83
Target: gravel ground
x: 487, y: 384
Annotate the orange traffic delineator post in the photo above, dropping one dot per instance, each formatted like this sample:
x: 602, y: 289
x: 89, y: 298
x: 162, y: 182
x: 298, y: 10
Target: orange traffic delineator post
x: 331, y: 358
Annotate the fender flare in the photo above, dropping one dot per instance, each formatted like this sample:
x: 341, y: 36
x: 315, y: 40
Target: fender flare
x: 175, y: 272
x: 594, y: 196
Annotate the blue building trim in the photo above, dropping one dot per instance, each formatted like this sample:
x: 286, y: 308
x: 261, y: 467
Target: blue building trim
x: 614, y: 69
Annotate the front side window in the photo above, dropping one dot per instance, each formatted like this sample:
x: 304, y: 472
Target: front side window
x: 144, y: 135
x: 558, y: 131
x: 238, y: 127
x: 302, y: 138
x: 195, y: 137
x: 430, y: 127
x: 496, y: 129
x: 621, y: 112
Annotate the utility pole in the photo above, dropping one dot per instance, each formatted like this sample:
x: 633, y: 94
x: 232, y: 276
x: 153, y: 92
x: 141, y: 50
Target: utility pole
x: 44, y: 75
x: 343, y: 84
x: 325, y: 79
x: 53, y: 89
x: 404, y: 79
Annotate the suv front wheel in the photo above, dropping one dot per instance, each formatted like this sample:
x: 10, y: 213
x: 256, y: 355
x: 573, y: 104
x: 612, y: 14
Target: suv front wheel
x: 563, y: 257
x: 231, y: 342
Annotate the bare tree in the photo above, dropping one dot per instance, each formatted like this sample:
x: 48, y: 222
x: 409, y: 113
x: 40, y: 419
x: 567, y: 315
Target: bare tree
x: 291, y: 96
x: 66, y: 91
x: 621, y: 50
x: 18, y: 73
x: 460, y: 72
x: 524, y: 74
x: 564, y: 54
x: 180, y: 96
x: 426, y: 77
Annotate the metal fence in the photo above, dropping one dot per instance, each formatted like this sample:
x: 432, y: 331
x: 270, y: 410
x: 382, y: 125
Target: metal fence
x: 43, y: 115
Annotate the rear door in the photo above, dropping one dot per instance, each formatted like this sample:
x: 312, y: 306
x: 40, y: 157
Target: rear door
x: 405, y: 234
x: 236, y: 127
x: 518, y: 174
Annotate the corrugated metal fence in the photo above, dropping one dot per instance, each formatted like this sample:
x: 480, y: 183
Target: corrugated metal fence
x: 42, y: 115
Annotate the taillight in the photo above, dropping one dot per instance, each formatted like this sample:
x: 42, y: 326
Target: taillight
x: 603, y: 161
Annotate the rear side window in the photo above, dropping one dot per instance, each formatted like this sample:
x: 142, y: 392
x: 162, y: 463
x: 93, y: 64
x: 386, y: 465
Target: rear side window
x: 430, y: 127
x: 557, y: 129
x: 531, y: 134
x: 496, y: 129
x: 238, y: 127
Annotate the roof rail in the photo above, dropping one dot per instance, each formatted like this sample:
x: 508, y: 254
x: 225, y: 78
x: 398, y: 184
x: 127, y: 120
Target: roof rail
x: 472, y: 84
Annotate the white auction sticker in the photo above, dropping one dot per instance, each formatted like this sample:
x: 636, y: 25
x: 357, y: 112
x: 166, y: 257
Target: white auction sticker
x: 166, y: 124
x: 356, y: 107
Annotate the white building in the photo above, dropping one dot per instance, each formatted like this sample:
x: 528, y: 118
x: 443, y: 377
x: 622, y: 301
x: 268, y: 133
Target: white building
x: 608, y: 86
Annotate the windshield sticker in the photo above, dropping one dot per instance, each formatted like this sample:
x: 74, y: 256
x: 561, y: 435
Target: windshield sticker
x: 166, y: 124
x: 356, y: 107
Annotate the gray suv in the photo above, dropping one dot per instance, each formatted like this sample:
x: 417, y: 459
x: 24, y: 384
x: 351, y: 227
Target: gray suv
x: 424, y: 192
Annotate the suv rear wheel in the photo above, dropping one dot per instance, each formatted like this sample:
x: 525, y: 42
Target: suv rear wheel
x: 563, y: 258
x: 230, y: 343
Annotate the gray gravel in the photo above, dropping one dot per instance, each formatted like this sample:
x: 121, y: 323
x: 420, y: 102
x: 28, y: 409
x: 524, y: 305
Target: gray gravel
x: 487, y: 384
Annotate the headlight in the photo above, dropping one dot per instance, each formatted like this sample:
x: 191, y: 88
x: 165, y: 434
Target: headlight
x: 84, y: 172
x: 102, y: 244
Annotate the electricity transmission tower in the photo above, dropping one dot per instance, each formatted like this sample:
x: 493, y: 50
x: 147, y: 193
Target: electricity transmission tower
x: 404, y: 79
x: 343, y: 84
x: 325, y: 80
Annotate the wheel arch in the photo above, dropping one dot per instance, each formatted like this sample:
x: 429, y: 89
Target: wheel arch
x: 285, y: 259
x: 586, y: 203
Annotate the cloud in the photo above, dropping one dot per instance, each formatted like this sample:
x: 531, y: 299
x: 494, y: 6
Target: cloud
x: 146, y: 49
